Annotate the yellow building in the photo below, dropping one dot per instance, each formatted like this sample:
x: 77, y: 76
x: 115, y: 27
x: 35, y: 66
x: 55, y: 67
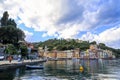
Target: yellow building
x: 62, y: 54
x: 41, y: 51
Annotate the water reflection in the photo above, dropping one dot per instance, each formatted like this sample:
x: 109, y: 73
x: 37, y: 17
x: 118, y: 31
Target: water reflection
x: 6, y: 75
x: 69, y: 70
x: 12, y: 73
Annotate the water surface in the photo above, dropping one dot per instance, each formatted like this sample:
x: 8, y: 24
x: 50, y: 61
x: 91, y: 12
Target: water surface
x: 68, y: 70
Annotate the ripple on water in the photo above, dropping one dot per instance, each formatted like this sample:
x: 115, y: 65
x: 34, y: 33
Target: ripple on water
x: 40, y: 78
x: 108, y: 77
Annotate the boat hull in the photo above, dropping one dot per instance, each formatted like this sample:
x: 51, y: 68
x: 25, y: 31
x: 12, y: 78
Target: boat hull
x: 34, y: 67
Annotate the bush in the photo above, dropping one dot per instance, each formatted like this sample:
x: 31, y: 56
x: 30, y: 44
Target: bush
x: 10, y: 49
x: 24, y: 50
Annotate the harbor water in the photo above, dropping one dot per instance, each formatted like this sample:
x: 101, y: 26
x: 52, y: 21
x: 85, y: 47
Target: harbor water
x: 67, y: 70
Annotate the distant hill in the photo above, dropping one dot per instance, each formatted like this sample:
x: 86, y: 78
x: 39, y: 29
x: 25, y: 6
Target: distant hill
x: 68, y: 44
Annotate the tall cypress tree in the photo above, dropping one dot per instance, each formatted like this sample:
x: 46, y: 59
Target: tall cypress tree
x: 4, y: 19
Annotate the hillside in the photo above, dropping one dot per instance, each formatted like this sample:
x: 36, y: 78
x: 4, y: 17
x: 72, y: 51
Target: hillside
x: 63, y: 44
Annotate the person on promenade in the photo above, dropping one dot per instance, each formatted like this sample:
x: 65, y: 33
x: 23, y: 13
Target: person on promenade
x: 19, y: 58
x: 10, y: 58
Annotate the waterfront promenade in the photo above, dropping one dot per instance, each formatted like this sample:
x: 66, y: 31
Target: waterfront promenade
x: 4, y: 65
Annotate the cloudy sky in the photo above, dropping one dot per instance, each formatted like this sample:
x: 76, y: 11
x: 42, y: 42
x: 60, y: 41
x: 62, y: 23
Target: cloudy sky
x: 93, y: 20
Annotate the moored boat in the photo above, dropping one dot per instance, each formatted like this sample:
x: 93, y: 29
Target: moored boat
x: 34, y: 67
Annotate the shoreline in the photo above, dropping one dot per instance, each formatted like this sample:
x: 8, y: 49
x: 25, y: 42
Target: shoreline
x: 5, y: 65
x: 82, y: 59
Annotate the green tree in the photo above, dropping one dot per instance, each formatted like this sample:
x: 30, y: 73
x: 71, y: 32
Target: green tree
x: 4, y: 19
x: 24, y: 51
x: 94, y: 42
x: 11, y: 22
x: 9, y: 33
x: 102, y: 46
x: 10, y: 49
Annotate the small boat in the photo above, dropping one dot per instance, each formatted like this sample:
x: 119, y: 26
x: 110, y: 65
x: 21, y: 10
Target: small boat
x: 34, y: 67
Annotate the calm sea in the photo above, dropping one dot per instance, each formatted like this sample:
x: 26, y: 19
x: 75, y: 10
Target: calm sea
x: 68, y: 70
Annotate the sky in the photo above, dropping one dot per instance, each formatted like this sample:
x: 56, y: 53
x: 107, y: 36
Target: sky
x: 90, y: 20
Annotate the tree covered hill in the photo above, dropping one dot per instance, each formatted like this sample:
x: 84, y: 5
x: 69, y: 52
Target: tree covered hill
x: 68, y: 44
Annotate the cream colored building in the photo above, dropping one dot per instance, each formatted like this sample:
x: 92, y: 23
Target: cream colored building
x: 94, y: 52
x: 62, y: 54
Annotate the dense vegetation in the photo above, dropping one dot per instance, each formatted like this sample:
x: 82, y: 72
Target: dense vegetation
x: 10, y: 35
x: 62, y: 44
x: 9, y: 32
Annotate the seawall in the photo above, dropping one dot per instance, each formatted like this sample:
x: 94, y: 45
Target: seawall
x: 5, y: 65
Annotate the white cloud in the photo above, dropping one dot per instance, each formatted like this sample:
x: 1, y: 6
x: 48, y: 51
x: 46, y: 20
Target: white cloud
x: 44, y: 16
x: 65, y: 18
x: 88, y: 36
x: 70, y: 31
x: 28, y: 35
x: 111, y: 37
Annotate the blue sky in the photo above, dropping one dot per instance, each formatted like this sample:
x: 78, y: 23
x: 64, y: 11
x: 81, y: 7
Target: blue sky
x: 93, y: 20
